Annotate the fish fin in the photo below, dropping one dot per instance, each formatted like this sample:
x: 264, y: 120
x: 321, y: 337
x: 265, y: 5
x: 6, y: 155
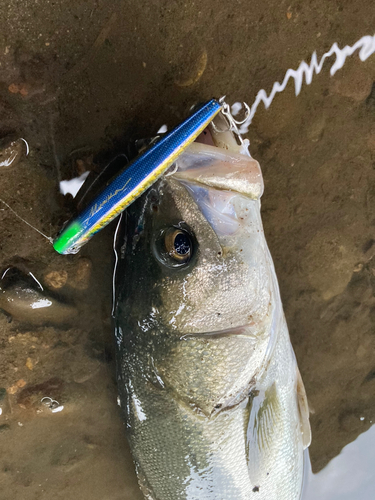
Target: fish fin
x: 264, y: 421
x: 303, y: 409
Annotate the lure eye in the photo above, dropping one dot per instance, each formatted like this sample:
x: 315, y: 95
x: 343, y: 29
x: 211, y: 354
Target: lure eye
x: 178, y: 245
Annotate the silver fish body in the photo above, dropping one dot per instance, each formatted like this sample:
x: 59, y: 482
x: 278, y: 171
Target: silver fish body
x: 214, y: 404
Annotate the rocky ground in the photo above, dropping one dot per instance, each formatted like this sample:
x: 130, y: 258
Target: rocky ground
x: 78, y: 81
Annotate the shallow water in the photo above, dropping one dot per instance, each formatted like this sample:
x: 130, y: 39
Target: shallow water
x: 82, y: 80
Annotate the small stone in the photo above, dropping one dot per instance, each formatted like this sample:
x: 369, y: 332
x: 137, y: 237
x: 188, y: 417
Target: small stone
x: 20, y: 383
x: 29, y: 364
x: 13, y: 389
x: 56, y: 279
x: 14, y: 88
x: 24, y: 89
x: 19, y: 88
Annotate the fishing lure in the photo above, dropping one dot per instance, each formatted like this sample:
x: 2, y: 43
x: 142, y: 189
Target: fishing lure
x: 134, y: 180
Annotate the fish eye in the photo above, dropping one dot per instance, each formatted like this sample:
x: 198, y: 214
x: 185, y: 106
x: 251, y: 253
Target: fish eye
x: 178, y: 244
x: 175, y: 246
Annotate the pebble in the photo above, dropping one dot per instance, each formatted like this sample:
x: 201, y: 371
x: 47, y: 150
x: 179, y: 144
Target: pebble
x: 24, y: 300
x: 75, y: 273
x: 19, y: 88
x: 29, y: 364
x: 56, y: 279
x: 18, y: 385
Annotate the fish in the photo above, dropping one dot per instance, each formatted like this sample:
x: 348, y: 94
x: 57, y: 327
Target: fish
x: 213, y: 400
x: 133, y: 180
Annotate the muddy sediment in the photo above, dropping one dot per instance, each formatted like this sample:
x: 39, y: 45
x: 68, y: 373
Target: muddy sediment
x: 79, y: 83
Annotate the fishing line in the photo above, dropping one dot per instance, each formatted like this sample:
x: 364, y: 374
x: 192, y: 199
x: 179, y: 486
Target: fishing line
x: 115, y: 266
x: 27, y: 146
x: 40, y: 285
x: 366, y: 46
x: 25, y: 221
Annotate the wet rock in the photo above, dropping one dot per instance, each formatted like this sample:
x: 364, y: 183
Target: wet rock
x: 23, y: 298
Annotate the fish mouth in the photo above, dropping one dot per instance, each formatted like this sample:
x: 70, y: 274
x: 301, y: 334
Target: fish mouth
x: 245, y: 331
x: 215, y: 176
x: 220, y: 169
x: 269, y: 325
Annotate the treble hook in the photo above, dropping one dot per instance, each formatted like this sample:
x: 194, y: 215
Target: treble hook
x: 232, y: 122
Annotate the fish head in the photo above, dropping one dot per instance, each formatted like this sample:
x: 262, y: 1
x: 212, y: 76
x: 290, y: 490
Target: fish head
x: 195, y: 299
